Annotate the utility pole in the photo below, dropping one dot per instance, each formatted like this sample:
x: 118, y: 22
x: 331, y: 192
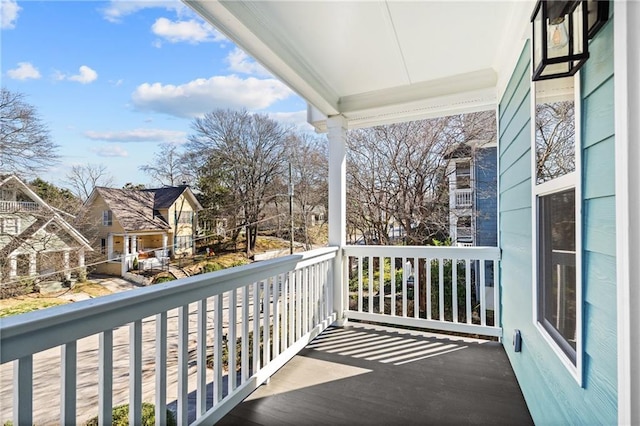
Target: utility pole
x: 290, y: 210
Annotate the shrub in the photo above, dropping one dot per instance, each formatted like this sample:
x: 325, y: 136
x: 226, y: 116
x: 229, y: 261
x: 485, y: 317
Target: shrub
x: 121, y: 416
x: 135, y: 263
x: 211, y: 267
x: 163, y: 279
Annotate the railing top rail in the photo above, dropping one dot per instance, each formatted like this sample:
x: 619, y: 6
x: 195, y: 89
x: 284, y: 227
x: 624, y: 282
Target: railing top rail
x: 432, y: 252
x: 40, y: 330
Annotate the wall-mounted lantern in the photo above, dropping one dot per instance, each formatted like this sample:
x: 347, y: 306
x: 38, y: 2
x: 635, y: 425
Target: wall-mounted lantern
x: 560, y: 38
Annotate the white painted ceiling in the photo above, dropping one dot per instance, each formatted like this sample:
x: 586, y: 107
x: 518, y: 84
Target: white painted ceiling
x: 369, y: 60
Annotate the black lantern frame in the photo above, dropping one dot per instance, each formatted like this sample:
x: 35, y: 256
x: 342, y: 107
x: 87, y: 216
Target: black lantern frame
x: 560, y: 38
x: 597, y: 15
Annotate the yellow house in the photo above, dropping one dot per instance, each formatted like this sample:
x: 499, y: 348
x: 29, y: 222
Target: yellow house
x: 149, y: 225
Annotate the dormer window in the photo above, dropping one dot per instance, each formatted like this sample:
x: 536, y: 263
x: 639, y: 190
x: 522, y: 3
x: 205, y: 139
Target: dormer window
x: 107, y: 218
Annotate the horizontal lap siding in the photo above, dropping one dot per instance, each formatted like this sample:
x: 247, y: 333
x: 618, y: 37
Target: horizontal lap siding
x: 599, y: 237
x: 551, y: 392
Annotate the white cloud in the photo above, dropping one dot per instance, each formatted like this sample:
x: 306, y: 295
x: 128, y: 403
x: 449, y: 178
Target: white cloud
x: 242, y: 63
x: 191, y: 31
x: 297, y: 119
x: 117, y: 9
x: 9, y: 10
x: 139, y: 135
x: 24, y: 71
x: 110, y: 151
x: 200, y: 96
x: 85, y: 75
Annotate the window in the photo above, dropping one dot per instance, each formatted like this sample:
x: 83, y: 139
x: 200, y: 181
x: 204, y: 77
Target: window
x: 463, y: 175
x: 103, y: 245
x: 557, y: 219
x: 11, y: 225
x: 107, y: 218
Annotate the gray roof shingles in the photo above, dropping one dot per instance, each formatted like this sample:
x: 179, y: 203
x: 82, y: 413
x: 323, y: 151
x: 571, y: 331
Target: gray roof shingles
x: 133, y: 209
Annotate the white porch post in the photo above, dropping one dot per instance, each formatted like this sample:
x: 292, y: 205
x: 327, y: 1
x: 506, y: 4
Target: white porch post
x: 81, y: 257
x: 110, y: 246
x: 125, y: 255
x: 134, y: 245
x: 165, y: 240
x: 336, y: 131
x: 627, y: 133
x: 32, y: 264
x: 65, y: 261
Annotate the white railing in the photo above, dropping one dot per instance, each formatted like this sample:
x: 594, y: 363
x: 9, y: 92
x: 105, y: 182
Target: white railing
x: 464, y: 198
x: 412, y: 286
x: 217, y: 336
x: 18, y: 206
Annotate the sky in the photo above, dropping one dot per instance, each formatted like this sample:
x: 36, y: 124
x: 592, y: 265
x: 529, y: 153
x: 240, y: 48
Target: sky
x: 114, y: 80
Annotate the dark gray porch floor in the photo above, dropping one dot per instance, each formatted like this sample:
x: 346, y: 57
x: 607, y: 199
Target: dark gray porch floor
x: 371, y: 375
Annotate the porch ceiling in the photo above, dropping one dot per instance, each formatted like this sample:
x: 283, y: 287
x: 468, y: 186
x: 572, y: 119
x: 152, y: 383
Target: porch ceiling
x: 378, y: 61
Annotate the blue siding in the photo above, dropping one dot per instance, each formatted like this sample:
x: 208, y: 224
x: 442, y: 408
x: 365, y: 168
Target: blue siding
x: 552, y: 394
x: 486, y: 200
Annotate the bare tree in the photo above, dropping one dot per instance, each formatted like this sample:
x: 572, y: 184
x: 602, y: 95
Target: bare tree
x: 83, y: 178
x: 309, y: 163
x: 25, y: 143
x: 555, y: 140
x: 168, y: 167
x: 396, y: 176
x: 246, y: 150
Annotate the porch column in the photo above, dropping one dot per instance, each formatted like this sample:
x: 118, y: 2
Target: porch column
x: 32, y: 264
x: 110, y: 246
x: 124, y: 260
x: 336, y: 132
x: 81, y: 257
x: 165, y: 240
x: 13, y: 266
x: 134, y: 245
x: 626, y: 46
x: 65, y: 262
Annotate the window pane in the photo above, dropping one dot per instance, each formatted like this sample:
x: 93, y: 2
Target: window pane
x: 555, y: 129
x: 557, y: 283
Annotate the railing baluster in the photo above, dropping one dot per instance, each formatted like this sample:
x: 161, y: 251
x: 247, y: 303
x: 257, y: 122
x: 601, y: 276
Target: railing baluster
x: 359, y: 283
x: 370, y: 260
x: 23, y: 391
x: 244, y: 360
x: 404, y: 286
x: 441, y: 288
x: 296, y: 308
x: 183, y: 365
x: 483, y: 295
x: 218, y: 325
x: 161, y: 369
x: 416, y: 287
x: 201, y: 358
x: 256, y: 328
x: 135, y: 372
x: 231, y: 341
x: 68, y: 386
x: 105, y: 378
x: 454, y: 289
x: 276, y: 312
x: 428, y: 262
x: 381, y: 284
x: 467, y: 275
x: 284, y: 315
x: 266, y: 322
x: 393, y: 286
x: 496, y: 295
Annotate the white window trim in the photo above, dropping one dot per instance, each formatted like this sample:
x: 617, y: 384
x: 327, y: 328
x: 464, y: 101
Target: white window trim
x: 570, y: 180
x: 15, y: 225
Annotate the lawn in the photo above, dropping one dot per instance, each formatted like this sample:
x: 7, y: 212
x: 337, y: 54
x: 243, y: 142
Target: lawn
x: 24, y: 304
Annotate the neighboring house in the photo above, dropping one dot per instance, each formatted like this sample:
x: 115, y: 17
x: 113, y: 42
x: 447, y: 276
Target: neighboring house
x: 35, y: 240
x: 473, y: 210
x: 142, y: 224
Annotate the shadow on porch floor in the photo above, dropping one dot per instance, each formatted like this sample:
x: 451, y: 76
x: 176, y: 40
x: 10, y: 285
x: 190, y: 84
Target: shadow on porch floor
x: 364, y: 374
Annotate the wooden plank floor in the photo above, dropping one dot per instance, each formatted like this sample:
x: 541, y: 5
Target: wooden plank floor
x: 372, y: 375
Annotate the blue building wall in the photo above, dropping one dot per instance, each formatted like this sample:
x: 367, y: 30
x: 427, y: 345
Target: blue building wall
x: 486, y: 165
x: 551, y: 392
